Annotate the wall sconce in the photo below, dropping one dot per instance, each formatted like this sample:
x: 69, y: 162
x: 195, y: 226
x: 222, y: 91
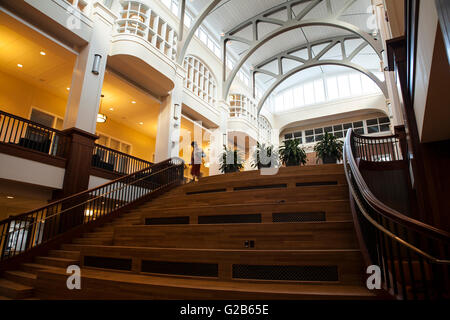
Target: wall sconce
x: 96, y: 65
x: 176, y: 111
x: 224, y: 139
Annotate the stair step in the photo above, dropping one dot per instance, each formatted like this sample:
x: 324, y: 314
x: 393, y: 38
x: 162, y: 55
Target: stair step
x: 99, y: 284
x: 2, y: 298
x: 266, y: 236
x: 92, y: 241
x: 15, y: 290
x: 35, y: 267
x: 22, y: 277
x: 343, y: 266
x: 66, y: 254
x: 56, y: 262
x: 103, y: 234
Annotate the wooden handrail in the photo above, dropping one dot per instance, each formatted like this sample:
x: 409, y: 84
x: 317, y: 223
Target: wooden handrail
x: 86, y: 192
x: 380, y: 207
x: 31, y: 122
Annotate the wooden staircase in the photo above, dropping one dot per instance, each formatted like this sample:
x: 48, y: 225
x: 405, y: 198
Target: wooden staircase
x: 234, y: 236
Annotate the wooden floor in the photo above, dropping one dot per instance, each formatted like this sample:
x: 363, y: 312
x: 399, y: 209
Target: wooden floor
x: 235, y: 236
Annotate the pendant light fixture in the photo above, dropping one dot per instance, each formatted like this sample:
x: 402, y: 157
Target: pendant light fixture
x: 101, y: 118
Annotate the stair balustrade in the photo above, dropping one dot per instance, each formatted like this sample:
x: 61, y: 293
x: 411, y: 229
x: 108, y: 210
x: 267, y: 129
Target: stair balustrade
x: 413, y: 257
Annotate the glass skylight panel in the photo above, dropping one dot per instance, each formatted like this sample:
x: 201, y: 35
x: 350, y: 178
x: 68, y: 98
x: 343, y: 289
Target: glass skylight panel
x: 309, y: 93
x: 344, y: 87
x: 319, y: 91
x: 299, y: 99
x: 355, y: 84
x: 332, y: 87
x: 288, y: 99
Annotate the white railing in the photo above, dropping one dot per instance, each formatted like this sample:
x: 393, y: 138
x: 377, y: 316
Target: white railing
x: 200, y: 80
x: 242, y: 107
x: 139, y: 19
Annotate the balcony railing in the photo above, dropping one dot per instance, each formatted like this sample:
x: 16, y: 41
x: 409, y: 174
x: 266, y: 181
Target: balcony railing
x: 116, y: 161
x: 138, y: 19
x: 24, y: 133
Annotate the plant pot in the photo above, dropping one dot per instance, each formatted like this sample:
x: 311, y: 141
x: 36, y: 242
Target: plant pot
x: 329, y: 160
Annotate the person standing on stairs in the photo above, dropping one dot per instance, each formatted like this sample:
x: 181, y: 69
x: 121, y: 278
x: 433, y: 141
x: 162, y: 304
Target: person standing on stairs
x: 196, y: 160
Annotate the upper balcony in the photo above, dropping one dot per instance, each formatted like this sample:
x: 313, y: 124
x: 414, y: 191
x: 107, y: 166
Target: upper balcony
x: 144, y: 44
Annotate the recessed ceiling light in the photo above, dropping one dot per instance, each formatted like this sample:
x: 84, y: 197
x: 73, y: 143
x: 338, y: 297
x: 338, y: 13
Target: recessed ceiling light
x: 9, y: 197
x: 111, y: 109
x: 133, y: 102
x: 68, y: 89
x: 20, y: 65
x: 141, y: 123
x: 42, y: 53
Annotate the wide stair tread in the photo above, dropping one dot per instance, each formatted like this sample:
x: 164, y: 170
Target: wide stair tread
x: 22, y: 277
x: 15, y: 290
x: 176, y: 288
x: 57, y: 262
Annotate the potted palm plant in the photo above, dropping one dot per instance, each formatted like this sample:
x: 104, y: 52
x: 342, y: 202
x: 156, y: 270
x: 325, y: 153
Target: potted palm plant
x: 231, y: 161
x: 329, y: 149
x: 291, y: 154
x: 264, y: 156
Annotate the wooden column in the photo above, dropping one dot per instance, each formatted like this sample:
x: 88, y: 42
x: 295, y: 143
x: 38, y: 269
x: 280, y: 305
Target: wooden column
x: 79, y: 160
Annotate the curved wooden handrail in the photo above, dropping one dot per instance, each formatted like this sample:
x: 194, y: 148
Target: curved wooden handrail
x: 83, y: 192
x: 380, y: 207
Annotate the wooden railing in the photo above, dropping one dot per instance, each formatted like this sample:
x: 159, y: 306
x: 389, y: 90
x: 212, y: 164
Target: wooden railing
x: 24, y: 133
x: 116, y: 161
x: 413, y: 256
x: 22, y: 233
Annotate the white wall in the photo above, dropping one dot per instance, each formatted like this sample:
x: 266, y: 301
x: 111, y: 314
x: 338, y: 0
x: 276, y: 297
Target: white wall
x: 28, y: 171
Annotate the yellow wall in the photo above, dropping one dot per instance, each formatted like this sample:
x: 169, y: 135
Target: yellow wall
x: 143, y: 146
x: 18, y: 97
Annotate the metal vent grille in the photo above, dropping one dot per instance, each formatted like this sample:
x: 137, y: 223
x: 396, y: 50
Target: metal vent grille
x: 108, y: 263
x: 269, y: 186
x: 285, y: 273
x: 206, y: 191
x: 298, y: 217
x: 166, y: 220
x: 319, y: 183
x: 181, y: 268
x: 238, y: 218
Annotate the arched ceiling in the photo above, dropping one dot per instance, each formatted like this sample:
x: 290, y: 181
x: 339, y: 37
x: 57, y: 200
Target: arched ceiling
x: 253, y: 32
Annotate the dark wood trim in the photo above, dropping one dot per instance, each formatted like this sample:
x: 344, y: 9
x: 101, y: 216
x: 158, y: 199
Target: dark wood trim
x: 78, y: 167
x: 105, y: 174
x: 22, y: 152
x: 382, y: 166
x: 383, y: 209
x: 443, y: 9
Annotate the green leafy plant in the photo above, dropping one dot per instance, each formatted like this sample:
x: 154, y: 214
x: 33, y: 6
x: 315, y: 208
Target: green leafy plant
x: 264, y: 156
x: 231, y: 161
x: 291, y: 154
x: 329, y: 149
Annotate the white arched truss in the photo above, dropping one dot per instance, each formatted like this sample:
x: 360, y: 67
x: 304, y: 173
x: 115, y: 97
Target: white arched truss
x: 200, y: 80
x: 314, y: 60
x: 291, y: 22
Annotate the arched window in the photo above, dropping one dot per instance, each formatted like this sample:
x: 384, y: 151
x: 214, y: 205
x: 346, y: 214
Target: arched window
x: 264, y: 130
x: 243, y: 107
x: 200, y: 80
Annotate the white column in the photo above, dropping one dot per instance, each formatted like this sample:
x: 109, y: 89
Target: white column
x: 85, y: 91
x: 218, y: 138
x: 169, y: 121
